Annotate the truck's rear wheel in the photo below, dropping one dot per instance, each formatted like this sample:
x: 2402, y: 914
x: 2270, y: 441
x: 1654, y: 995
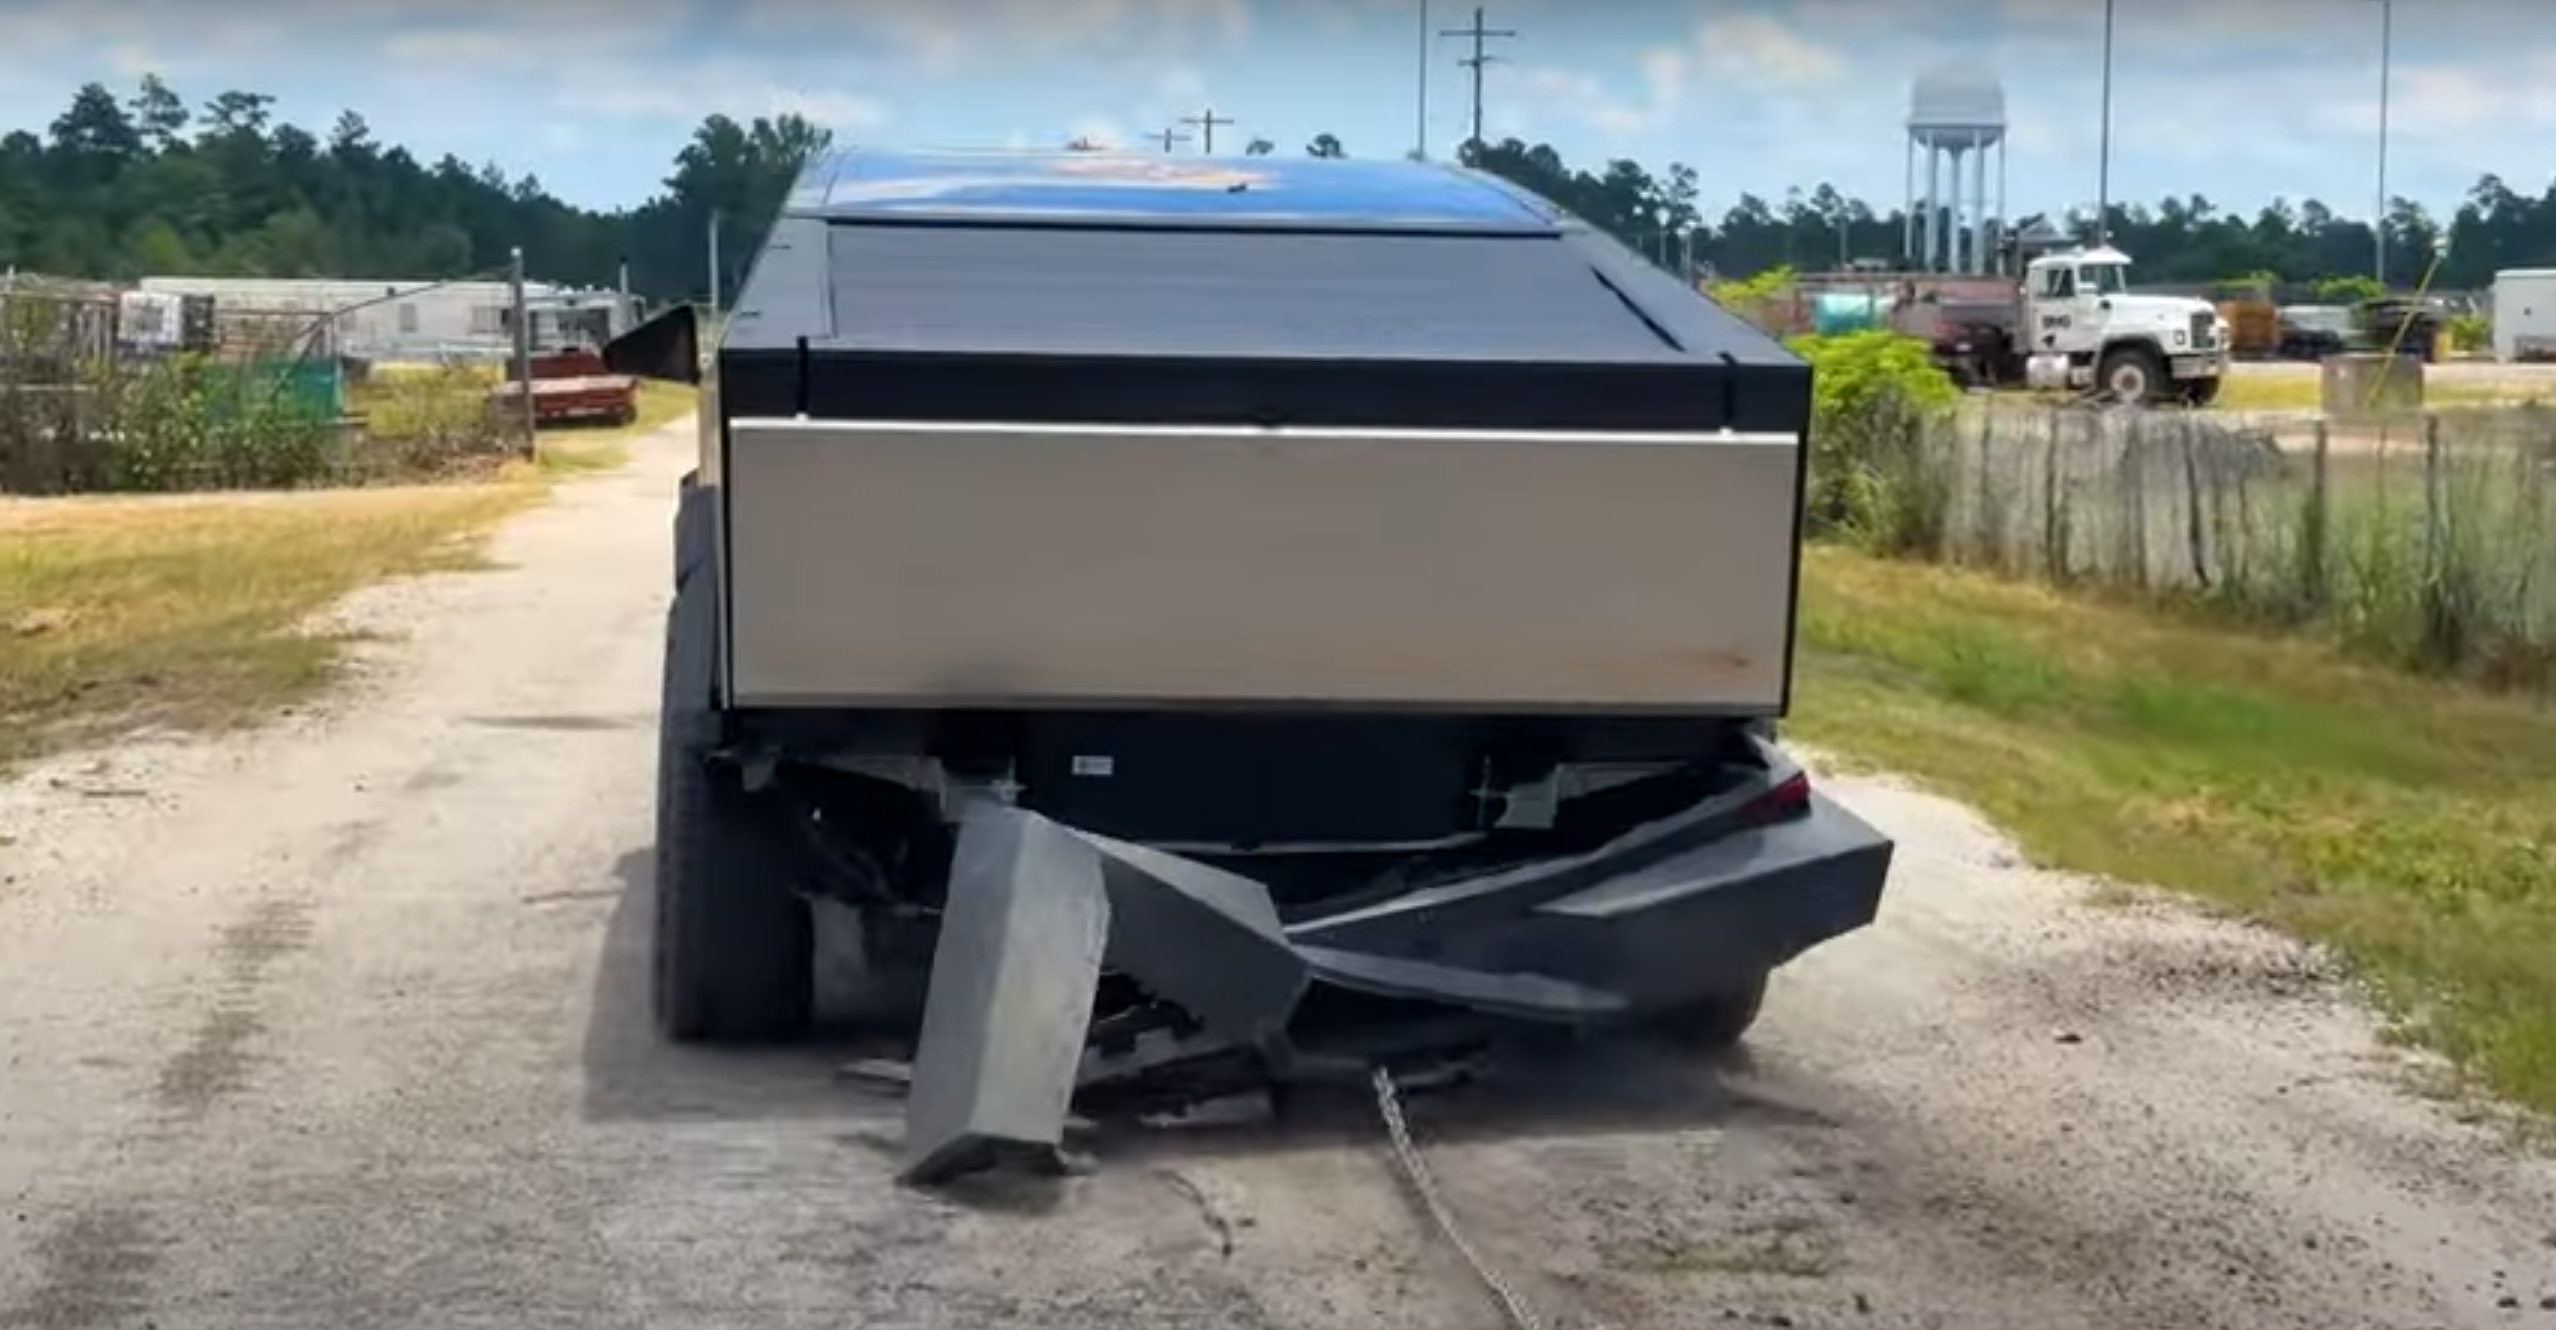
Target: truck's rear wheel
x: 2131, y: 374
x: 734, y: 951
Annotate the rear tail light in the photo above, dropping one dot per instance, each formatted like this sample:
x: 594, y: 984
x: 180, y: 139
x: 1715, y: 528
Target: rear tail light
x: 1790, y: 798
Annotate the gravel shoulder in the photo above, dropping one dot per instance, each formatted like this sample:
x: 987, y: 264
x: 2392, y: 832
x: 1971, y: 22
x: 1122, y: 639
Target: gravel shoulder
x: 342, y: 1023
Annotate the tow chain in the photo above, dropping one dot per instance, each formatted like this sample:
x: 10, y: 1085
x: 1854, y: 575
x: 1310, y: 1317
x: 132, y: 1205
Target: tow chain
x: 1424, y: 1187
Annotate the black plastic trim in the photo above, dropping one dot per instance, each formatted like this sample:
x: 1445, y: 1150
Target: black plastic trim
x: 1153, y: 390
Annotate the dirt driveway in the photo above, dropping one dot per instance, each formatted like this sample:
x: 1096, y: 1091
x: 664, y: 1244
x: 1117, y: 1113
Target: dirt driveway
x: 340, y: 1025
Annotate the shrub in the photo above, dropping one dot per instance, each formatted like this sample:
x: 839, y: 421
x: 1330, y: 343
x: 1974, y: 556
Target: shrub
x: 1872, y: 393
x: 187, y: 424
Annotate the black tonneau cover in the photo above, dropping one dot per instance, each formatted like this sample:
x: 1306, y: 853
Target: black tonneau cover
x: 869, y: 313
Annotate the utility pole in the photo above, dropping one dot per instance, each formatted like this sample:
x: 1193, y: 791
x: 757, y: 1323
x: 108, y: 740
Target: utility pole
x: 1169, y: 137
x: 1206, y: 123
x: 1476, y: 61
x: 714, y: 262
x: 2378, y: 219
x: 2103, y: 149
x: 1420, y: 126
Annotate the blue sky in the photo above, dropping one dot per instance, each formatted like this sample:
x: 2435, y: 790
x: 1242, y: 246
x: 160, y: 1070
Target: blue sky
x: 2236, y: 100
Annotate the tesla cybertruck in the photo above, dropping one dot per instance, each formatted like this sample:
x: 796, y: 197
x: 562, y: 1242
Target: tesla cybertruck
x: 1226, y: 625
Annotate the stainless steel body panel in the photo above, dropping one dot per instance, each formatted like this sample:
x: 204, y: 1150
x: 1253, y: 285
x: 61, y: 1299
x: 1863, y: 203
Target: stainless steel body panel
x: 1002, y: 565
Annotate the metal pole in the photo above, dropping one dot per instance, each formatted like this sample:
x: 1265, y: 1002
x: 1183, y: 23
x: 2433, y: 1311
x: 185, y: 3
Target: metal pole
x: 714, y: 262
x: 2378, y: 219
x: 523, y: 350
x: 1420, y: 121
x: 2103, y: 152
x: 2001, y: 207
x: 1908, y: 201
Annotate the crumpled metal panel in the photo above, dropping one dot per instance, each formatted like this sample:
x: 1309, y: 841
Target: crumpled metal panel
x: 1203, y: 939
x: 1035, y: 911
x: 1010, y: 1003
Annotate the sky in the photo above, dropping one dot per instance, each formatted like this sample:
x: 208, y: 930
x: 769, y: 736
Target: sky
x: 2239, y: 101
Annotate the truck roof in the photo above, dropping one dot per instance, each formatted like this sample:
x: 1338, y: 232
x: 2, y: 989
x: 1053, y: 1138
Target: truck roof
x: 1126, y: 189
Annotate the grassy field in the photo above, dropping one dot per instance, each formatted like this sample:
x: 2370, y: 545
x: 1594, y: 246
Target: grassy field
x: 2297, y: 388
x: 185, y: 611
x: 2407, y: 823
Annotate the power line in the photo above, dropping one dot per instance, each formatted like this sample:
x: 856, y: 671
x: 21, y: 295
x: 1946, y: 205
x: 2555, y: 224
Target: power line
x: 1169, y: 137
x: 1480, y: 58
x: 1206, y: 124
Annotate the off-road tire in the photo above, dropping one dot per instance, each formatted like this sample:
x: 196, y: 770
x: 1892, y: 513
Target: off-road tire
x: 1717, y: 1024
x: 734, y: 951
x: 2114, y: 375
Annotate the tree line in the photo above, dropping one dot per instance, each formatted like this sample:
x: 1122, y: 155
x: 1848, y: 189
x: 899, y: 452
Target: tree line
x: 146, y: 183
x: 121, y: 187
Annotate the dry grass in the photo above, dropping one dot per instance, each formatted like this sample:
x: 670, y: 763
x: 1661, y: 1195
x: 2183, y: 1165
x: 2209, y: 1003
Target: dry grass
x: 2406, y: 822
x: 573, y: 449
x: 189, y: 611
x: 2298, y: 387
x: 186, y: 612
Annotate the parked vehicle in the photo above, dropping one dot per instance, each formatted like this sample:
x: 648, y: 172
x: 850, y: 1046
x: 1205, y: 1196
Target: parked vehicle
x: 1232, y: 624
x: 2073, y: 322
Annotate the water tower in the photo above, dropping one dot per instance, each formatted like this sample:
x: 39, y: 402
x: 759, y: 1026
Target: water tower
x: 1955, y: 115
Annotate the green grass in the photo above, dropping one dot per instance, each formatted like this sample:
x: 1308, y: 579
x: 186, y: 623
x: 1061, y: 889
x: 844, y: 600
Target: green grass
x: 2408, y: 823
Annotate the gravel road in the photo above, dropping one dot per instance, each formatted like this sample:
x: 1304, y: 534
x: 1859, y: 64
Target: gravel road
x: 341, y: 1024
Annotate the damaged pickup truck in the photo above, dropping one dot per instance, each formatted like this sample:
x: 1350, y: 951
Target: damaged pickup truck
x: 1229, y: 625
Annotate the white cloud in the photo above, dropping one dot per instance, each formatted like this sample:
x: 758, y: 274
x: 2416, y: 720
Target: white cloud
x: 943, y: 38
x: 1761, y: 49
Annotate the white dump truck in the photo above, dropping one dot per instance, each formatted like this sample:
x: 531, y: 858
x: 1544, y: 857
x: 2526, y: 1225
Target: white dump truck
x: 2072, y: 323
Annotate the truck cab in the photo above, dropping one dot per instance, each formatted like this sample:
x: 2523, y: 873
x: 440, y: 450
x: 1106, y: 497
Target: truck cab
x: 2084, y: 329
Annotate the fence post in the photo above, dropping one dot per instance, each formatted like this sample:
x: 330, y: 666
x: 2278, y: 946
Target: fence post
x: 1987, y: 525
x: 523, y: 354
x: 2193, y: 535
x: 2134, y: 465
x: 2315, y: 570
x: 2434, y: 511
x: 2054, y: 522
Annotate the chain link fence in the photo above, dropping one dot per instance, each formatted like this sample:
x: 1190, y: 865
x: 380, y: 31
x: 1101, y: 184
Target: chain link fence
x: 268, y: 405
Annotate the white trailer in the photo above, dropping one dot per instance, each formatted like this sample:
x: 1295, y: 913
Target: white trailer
x: 2525, y: 314
x: 395, y: 319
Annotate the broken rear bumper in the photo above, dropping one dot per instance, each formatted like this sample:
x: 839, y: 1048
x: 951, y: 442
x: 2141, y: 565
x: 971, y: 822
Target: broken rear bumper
x: 1629, y: 935
x: 1671, y: 914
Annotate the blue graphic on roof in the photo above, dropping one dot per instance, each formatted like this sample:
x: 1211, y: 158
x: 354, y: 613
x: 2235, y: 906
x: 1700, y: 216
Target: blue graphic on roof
x: 1138, y: 187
